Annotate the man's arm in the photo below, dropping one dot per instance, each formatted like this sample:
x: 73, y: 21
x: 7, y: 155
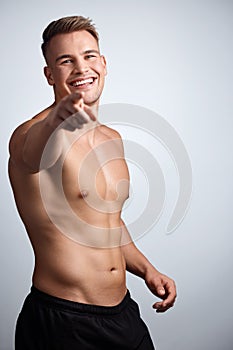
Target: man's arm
x: 136, y: 263
x: 29, y: 140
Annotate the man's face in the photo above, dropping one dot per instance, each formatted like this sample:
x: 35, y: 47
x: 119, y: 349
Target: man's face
x: 75, y: 64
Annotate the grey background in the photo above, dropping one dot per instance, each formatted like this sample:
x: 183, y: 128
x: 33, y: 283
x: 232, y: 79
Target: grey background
x: 174, y: 57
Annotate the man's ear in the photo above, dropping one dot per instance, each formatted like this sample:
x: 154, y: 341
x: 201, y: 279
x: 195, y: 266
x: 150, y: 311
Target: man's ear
x: 104, y: 63
x: 48, y: 75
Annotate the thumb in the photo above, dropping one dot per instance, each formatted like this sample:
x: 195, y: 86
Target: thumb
x: 160, y: 290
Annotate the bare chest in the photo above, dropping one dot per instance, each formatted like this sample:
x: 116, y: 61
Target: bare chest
x: 96, y: 173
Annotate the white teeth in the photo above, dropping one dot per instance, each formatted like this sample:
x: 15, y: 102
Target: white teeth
x: 82, y: 82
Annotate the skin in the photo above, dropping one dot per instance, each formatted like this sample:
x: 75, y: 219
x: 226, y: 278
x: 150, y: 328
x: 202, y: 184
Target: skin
x: 92, y: 268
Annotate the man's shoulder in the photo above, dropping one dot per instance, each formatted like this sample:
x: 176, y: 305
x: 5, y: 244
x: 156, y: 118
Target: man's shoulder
x: 18, y: 136
x: 113, y: 135
x: 109, y: 132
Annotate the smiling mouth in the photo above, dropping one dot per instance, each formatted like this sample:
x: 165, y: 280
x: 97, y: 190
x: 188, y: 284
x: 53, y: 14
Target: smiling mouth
x: 82, y: 82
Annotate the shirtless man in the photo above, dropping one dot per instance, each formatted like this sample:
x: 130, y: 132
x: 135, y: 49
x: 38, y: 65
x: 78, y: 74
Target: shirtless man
x: 79, y: 298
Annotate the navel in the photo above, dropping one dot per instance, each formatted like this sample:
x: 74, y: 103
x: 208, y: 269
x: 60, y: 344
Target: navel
x: 112, y: 269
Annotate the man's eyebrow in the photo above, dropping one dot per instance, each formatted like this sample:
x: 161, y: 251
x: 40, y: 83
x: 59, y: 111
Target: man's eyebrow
x: 90, y: 51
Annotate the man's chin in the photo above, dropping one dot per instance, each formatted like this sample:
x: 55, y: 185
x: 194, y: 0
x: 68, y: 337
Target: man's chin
x: 90, y: 102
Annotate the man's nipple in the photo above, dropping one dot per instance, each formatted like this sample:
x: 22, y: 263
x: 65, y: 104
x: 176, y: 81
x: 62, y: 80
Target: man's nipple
x: 83, y: 193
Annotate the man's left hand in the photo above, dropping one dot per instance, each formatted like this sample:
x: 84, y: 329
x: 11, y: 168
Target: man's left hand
x: 163, y: 287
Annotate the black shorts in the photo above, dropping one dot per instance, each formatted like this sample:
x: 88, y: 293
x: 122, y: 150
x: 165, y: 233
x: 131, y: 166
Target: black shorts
x: 50, y: 323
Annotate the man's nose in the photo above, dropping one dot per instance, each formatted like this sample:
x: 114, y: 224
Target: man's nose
x: 80, y: 66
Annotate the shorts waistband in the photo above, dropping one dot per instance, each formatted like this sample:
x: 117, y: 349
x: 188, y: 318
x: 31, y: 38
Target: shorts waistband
x: 73, y: 306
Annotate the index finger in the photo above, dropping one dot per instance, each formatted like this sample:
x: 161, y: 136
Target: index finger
x: 75, y: 96
x: 171, y: 294
x: 89, y: 112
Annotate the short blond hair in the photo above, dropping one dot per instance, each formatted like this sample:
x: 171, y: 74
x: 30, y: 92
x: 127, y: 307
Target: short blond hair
x: 67, y: 25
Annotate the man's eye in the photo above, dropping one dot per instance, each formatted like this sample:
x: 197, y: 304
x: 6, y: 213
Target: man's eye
x: 90, y: 56
x: 67, y: 61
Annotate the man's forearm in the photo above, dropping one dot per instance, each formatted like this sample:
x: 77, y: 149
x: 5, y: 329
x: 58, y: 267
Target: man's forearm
x: 136, y: 262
